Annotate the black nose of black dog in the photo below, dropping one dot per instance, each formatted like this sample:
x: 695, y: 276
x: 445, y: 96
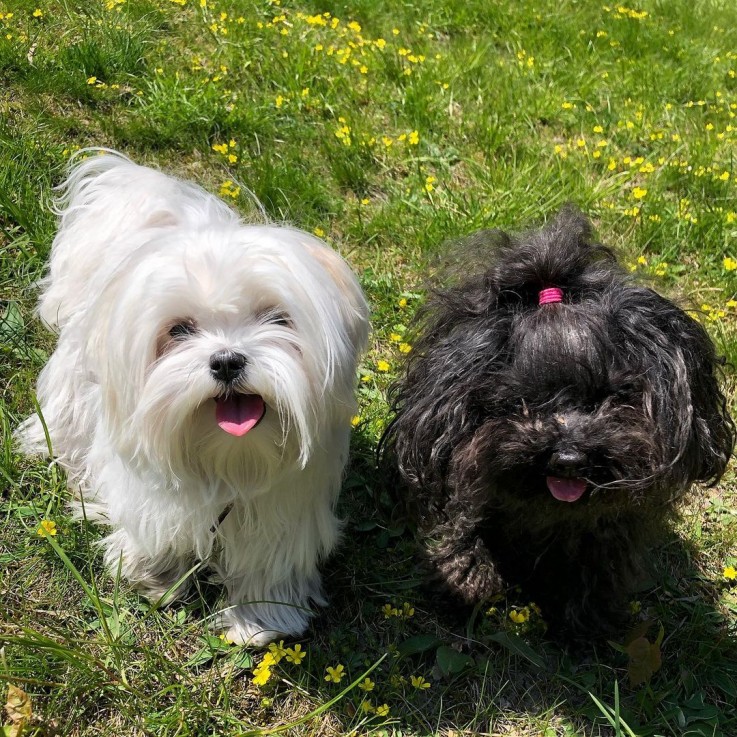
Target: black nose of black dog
x: 566, y: 462
x: 226, y: 365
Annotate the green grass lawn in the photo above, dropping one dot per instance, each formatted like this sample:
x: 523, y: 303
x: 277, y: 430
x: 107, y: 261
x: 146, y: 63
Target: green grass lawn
x: 387, y: 128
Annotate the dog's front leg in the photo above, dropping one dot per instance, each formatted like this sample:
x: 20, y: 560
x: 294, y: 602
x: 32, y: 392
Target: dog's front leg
x: 270, y: 554
x: 459, y: 555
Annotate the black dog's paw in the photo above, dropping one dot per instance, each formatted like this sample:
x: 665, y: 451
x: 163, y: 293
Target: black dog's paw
x: 469, y: 573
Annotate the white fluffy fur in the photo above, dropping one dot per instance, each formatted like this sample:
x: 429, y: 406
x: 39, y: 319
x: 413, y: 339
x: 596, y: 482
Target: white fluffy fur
x: 131, y: 413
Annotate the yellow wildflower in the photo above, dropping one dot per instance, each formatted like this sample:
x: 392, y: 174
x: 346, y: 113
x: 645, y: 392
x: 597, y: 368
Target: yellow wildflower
x: 730, y: 573
x: 335, y: 675
x: 519, y: 616
x: 414, y: 138
x: 295, y: 654
x: 639, y: 193
x: 382, y: 365
x: 729, y: 264
x: 366, y: 685
x: 229, y: 189
x: 47, y: 527
x: 405, y: 347
x: 383, y: 710
x: 419, y: 682
x: 318, y: 231
x: 261, y: 674
x: 277, y: 651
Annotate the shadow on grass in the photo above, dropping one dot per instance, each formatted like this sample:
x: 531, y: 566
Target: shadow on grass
x: 484, y: 671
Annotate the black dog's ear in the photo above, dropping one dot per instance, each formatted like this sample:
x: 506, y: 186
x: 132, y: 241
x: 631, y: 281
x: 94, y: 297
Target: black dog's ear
x: 459, y: 340
x: 680, y: 368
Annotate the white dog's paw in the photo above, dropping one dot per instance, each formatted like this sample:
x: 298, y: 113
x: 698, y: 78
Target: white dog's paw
x: 252, y: 635
x: 256, y: 626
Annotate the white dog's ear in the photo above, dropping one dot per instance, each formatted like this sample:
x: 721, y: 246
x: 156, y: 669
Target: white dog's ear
x: 106, y: 206
x: 111, y: 189
x: 355, y: 311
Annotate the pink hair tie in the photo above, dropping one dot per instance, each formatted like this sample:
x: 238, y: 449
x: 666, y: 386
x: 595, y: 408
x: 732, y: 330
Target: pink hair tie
x: 550, y: 296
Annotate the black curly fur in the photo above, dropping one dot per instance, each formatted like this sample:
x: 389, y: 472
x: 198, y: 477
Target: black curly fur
x: 615, y: 385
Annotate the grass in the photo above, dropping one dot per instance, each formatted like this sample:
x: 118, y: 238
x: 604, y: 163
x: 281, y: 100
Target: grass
x: 389, y: 128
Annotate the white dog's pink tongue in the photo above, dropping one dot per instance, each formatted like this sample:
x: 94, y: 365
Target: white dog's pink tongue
x: 566, y: 490
x: 239, y: 413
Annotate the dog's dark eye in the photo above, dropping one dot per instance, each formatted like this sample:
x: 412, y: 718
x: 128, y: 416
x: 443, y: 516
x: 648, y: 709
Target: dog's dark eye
x: 182, y: 330
x: 276, y: 317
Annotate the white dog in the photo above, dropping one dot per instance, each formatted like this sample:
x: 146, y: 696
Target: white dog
x: 201, y: 392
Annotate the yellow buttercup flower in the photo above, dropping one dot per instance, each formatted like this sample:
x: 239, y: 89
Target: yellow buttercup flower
x: 419, y: 682
x: 47, y: 527
x: 295, y: 654
x: 519, y: 616
x: 335, y: 675
x: 366, y: 685
x: 277, y: 651
x: 729, y: 264
x: 382, y: 365
x: 261, y: 674
x: 730, y: 573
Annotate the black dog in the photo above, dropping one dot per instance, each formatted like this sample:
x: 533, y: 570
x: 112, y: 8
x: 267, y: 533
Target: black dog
x: 552, y: 414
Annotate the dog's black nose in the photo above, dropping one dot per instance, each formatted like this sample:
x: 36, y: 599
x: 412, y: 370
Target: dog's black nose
x: 225, y: 365
x: 567, y: 461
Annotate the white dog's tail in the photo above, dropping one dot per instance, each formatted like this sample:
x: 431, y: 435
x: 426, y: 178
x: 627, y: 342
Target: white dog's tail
x: 105, y: 199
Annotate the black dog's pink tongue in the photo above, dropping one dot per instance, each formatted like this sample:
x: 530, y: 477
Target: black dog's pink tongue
x: 566, y: 490
x: 239, y: 413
